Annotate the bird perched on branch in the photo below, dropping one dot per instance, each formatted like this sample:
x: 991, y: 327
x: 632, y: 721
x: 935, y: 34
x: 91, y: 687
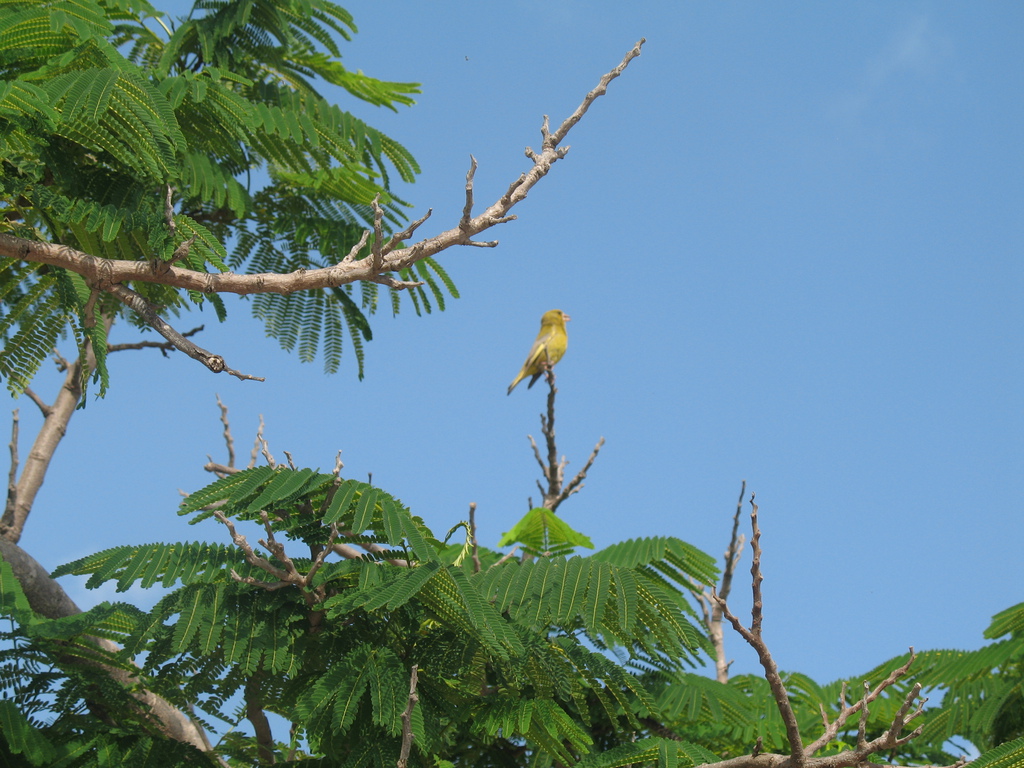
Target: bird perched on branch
x: 546, y: 350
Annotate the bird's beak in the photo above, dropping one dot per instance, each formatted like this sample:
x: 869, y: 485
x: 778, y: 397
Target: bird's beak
x: 566, y: 317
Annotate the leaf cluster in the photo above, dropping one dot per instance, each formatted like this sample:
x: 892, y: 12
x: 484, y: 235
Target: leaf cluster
x: 126, y: 139
x: 515, y: 660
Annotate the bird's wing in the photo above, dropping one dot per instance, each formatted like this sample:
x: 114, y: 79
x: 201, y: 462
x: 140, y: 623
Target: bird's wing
x: 539, y: 351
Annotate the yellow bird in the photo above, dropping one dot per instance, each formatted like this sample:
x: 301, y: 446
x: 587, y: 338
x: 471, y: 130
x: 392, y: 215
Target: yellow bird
x: 546, y: 350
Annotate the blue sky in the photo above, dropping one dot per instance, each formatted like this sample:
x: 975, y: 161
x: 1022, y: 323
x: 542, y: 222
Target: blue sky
x: 790, y: 241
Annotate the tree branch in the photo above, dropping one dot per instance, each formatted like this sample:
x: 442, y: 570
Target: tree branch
x: 12, y: 475
x: 228, y: 439
x: 799, y: 755
x: 756, y: 641
x: 554, y: 469
x: 146, y: 310
x: 472, y: 536
x: 712, y: 608
x: 407, y: 734
x: 163, y: 346
x: 47, y: 598
x: 52, y: 431
x: 113, y: 275
x: 254, y: 714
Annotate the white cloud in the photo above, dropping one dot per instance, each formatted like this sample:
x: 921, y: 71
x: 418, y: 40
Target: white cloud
x: 914, y: 53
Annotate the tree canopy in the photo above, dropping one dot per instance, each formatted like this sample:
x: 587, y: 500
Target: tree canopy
x: 149, y: 166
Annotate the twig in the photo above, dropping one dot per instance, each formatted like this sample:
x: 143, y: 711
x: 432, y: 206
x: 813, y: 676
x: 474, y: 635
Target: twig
x: 228, y: 439
x: 251, y: 557
x: 256, y: 445
x: 465, y: 223
x: 169, y: 211
x: 60, y: 361
x: 505, y: 558
x: 263, y: 445
x: 43, y: 407
x: 407, y: 734
x: 12, y: 476
x: 735, y: 548
x: 712, y: 609
x: 163, y: 346
x: 800, y: 755
x: 472, y: 536
x: 553, y: 469
x: 577, y: 482
x: 846, y: 711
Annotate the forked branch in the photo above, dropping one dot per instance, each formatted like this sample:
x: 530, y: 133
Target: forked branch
x: 553, y: 468
x: 801, y: 756
x: 712, y: 609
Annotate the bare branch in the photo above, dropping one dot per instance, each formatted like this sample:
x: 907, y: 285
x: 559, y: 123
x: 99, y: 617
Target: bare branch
x: 113, y: 275
x: 55, y: 424
x: 407, y: 734
x: 263, y: 445
x: 43, y: 407
x: 12, y: 475
x: 505, y: 558
x: 143, y: 308
x: 377, y: 244
x: 354, y: 251
x: 577, y: 482
x: 221, y: 470
x: 321, y: 556
x: 735, y: 548
x: 256, y: 445
x: 847, y: 711
x: 712, y: 608
x: 250, y: 556
x: 553, y: 140
x: 799, y: 755
x: 553, y: 468
x: 169, y: 211
x: 472, y: 536
x: 406, y: 233
x: 755, y: 641
x: 228, y: 439
x: 163, y: 346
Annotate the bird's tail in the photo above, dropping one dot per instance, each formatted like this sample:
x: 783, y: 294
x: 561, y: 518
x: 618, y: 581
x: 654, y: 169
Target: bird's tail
x: 515, y: 381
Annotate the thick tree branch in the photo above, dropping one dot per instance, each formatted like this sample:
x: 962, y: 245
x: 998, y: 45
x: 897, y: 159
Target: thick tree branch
x: 55, y: 424
x: 255, y: 714
x: 47, y: 598
x: 112, y: 275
